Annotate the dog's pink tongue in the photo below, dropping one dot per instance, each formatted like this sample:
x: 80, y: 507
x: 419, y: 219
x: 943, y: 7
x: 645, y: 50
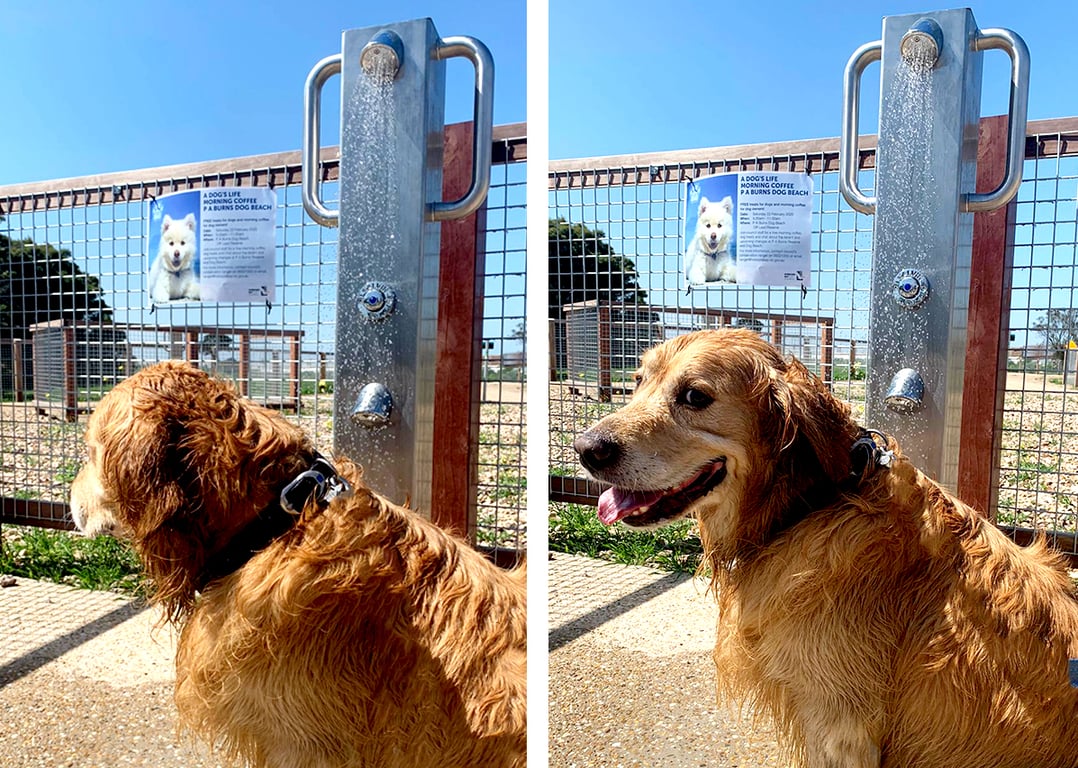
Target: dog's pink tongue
x: 616, y: 503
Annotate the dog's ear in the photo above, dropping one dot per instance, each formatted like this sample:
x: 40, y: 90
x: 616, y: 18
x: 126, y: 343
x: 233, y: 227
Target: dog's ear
x: 191, y: 462
x: 166, y: 223
x: 172, y: 546
x: 157, y: 499
x: 703, y: 204
x: 813, y: 423
x: 189, y: 221
x: 727, y: 204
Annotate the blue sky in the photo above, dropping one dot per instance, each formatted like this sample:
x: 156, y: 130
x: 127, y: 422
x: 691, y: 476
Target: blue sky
x: 640, y: 76
x: 120, y: 84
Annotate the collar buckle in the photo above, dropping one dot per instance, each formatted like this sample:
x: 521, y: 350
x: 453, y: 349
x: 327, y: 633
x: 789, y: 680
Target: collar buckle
x: 320, y: 481
x: 866, y: 454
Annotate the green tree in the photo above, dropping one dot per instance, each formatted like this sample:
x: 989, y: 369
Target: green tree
x: 39, y: 283
x: 584, y: 267
x: 1058, y: 327
x: 520, y: 332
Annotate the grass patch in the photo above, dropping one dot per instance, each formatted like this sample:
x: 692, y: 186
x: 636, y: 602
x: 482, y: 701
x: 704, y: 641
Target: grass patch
x: 576, y: 529
x: 66, y: 472
x: 1028, y: 469
x: 846, y: 373
x: 100, y: 563
x: 511, y: 484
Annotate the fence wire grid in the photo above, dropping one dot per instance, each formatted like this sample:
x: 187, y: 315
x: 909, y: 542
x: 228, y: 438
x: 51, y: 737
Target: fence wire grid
x: 617, y: 287
x: 75, y: 320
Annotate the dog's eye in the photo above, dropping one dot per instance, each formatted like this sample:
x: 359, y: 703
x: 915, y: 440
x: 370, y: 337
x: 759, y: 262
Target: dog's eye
x: 694, y: 398
x: 638, y: 379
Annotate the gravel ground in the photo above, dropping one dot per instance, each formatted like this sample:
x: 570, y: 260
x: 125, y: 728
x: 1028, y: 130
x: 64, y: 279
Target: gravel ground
x: 631, y: 678
x: 86, y: 678
x: 40, y: 455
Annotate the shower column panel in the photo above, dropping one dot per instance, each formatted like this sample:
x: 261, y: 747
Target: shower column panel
x: 930, y: 85
x: 392, y: 127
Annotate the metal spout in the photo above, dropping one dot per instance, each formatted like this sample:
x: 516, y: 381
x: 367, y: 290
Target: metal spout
x: 373, y: 407
x: 906, y: 393
x: 381, y: 57
x: 922, y: 44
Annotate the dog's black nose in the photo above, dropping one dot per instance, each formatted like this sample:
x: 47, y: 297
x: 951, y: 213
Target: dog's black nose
x: 597, y: 452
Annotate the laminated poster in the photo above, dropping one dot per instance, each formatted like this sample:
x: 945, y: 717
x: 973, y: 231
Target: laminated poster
x: 215, y: 244
x: 750, y: 228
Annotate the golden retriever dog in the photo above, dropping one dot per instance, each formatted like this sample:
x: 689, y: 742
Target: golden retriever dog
x: 875, y: 617
x: 322, y: 626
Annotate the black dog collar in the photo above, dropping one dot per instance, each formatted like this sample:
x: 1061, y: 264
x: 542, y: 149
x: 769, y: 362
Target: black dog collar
x: 320, y: 482
x: 866, y: 455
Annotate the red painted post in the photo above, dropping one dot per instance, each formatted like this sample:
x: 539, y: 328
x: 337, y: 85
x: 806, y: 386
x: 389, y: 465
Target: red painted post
x: 295, y: 390
x: 988, y: 331
x: 603, y: 321
x: 455, y: 474
x: 244, y: 372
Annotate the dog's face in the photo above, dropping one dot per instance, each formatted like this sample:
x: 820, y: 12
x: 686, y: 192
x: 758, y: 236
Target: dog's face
x: 715, y: 422
x: 177, y: 249
x: 715, y: 224
x: 178, y: 462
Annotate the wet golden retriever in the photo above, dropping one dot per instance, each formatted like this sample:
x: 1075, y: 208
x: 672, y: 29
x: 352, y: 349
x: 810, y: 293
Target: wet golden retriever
x: 353, y: 633
x: 879, y: 620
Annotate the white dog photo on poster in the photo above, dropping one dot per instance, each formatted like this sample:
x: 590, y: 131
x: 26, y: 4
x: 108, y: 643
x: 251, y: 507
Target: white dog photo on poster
x: 707, y: 255
x: 172, y: 275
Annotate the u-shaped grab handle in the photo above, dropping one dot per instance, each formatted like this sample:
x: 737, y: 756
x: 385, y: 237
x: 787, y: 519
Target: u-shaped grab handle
x: 482, y: 126
x: 1015, y: 46
x: 309, y: 156
x: 851, y: 111
x: 986, y: 39
x: 483, y: 132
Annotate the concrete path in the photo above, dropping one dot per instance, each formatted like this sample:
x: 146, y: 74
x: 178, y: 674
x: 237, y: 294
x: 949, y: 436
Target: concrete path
x: 631, y: 678
x: 86, y: 677
x: 86, y: 680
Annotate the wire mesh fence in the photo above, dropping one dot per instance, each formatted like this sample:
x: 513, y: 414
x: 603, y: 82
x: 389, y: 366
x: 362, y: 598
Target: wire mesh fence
x: 75, y: 319
x: 1038, y: 483
x: 502, y: 436
x: 616, y: 287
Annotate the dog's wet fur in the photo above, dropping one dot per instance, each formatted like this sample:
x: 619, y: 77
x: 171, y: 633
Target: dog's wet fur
x: 877, y: 619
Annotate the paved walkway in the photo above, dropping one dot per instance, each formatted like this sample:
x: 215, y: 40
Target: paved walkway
x: 86, y: 677
x: 86, y: 680
x: 631, y: 678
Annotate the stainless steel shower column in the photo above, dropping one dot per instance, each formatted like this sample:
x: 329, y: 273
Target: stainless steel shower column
x: 930, y: 85
x: 392, y: 105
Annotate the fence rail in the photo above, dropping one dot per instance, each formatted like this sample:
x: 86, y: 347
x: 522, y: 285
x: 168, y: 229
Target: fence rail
x: 76, y: 257
x: 625, y: 213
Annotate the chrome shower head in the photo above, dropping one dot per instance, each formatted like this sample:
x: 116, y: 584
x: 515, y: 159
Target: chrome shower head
x: 382, y: 56
x: 922, y: 44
